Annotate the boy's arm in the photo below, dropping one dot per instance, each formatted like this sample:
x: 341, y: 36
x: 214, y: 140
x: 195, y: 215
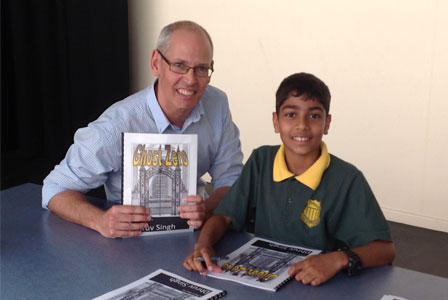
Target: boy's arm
x: 374, y: 254
x: 317, y: 269
x: 214, y: 199
x: 211, y: 233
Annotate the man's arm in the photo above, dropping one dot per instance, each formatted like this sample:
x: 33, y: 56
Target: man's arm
x: 198, y: 210
x: 317, y: 269
x: 117, y: 221
x: 211, y: 233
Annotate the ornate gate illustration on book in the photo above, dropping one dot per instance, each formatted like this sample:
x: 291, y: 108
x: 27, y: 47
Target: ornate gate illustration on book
x: 263, y: 260
x: 161, y: 189
x: 153, y: 290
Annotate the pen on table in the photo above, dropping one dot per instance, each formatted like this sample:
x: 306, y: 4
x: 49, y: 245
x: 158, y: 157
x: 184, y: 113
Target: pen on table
x: 214, y: 258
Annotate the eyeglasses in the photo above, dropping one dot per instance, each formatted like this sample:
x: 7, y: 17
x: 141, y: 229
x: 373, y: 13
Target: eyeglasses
x: 181, y: 68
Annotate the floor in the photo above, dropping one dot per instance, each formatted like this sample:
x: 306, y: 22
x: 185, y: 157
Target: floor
x: 420, y: 249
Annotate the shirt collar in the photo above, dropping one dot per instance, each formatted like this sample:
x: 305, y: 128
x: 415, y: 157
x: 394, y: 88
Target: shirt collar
x: 162, y: 121
x: 195, y: 115
x: 311, y: 177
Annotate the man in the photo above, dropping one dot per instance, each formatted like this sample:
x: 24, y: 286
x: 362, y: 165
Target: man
x: 179, y: 101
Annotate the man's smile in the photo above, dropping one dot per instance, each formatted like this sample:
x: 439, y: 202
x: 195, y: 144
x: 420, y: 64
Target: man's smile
x: 185, y: 92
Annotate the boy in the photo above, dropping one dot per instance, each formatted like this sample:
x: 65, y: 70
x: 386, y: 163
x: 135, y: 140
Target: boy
x: 297, y: 193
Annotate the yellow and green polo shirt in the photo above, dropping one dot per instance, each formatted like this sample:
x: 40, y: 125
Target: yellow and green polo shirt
x: 326, y: 207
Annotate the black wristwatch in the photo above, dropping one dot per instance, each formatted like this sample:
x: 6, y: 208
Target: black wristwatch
x: 354, y: 262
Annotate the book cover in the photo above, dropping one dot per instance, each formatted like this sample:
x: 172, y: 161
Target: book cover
x: 159, y: 171
x: 162, y: 284
x: 262, y: 263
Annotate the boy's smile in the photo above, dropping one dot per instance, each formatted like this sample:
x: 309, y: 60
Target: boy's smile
x: 301, y: 123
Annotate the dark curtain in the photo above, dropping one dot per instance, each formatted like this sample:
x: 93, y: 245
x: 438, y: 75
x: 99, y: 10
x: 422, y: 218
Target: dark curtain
x: 63, y: 63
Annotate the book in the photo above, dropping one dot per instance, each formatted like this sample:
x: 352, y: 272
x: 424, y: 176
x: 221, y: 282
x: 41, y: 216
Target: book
x: 261, y: 263
x: 159, y: 171
x: 162, y: 284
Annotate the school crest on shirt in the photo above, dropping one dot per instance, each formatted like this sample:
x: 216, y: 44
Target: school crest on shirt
x: 311, y: 214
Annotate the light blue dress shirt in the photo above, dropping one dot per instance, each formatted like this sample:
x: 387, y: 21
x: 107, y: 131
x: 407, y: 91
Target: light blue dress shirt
x: 94, y: 159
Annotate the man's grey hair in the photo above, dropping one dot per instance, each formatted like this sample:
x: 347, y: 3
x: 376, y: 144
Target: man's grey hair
x: 163, y: 42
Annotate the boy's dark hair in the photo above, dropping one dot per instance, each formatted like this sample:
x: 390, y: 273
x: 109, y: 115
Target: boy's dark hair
x: 299, y: 84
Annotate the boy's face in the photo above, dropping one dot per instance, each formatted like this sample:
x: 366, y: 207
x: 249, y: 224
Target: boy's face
x: 301, y: 123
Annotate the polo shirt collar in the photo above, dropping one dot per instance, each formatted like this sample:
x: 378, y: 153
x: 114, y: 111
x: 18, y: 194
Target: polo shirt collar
x: 162, y: 121
x: 311, y: 177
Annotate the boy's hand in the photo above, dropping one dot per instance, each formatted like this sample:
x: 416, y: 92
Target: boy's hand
x: 193, y: 261
x: 194, y: 211
x: 317, y: 269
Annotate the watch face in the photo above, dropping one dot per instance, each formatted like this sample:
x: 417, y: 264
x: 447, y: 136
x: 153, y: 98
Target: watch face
x: 354, y: 263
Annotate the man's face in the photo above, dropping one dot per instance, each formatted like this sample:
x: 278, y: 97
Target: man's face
x: 301, y: 123
x: 179, y: 93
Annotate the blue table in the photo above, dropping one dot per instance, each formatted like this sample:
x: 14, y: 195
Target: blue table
x: 45, y: 257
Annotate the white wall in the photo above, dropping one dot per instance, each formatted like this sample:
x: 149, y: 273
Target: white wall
x: 385, y: 61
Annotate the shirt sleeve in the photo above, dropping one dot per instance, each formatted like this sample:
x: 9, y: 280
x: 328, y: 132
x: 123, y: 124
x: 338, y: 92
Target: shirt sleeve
x: 236, y: 203
x: 87, y: 162
x: 360, y: 220
x: 227, y: 163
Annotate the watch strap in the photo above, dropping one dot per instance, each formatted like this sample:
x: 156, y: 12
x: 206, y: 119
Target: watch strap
x: 354, y: 262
